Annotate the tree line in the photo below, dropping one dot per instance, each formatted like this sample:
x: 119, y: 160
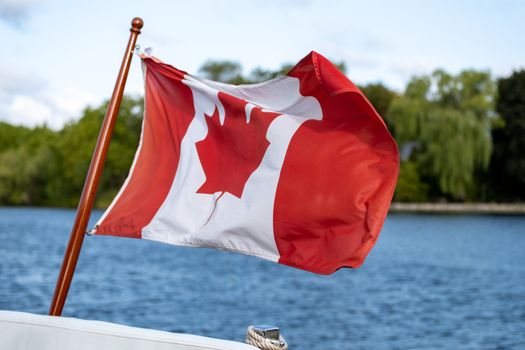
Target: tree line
x: 461, y: 138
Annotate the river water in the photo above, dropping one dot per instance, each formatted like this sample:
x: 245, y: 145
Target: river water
x: 431, y: 282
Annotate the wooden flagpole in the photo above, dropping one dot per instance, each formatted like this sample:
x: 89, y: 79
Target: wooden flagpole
x: 87, y: 199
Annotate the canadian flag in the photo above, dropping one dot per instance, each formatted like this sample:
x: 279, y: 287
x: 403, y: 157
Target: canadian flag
x: 299, y: 170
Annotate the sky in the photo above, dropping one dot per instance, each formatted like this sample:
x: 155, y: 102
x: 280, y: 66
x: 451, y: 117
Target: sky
x: 60, y: 56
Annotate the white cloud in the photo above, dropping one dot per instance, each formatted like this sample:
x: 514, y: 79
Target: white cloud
x: 17, y: 12
x: 51, y: 107
x: 67, y: 104
x: 71, y: 101
x: 16, y: 81
x: 28, y: 99
x: 26, y: 110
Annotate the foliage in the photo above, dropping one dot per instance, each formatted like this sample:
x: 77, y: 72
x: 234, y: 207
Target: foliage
x: 449, y: 117
x: 223, y: 71
x: 26, y: 162
x: 42, y: 167
x: 77, y: 142
x: 12, y: 136
x: 508, y: 161
x: 410, y: 187
x: 380, y: 96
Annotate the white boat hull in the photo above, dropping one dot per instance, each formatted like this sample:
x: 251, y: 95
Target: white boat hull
x: 25, y: 331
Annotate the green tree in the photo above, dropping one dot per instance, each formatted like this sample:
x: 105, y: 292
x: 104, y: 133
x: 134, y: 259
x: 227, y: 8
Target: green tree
x: 12, y: 136
x: 410, y: 187
x: 26, y: 165
x: 381, y: 98
x: 76, y: 145
x: 42, y: 167
x: 224, y: 71
x: 449, y: 117
x: 507, y: 175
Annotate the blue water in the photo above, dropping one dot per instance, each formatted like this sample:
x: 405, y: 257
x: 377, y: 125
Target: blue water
x: 431, y: 282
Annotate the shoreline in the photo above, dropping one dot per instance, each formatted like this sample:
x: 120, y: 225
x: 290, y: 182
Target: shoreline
x: 459, y: 208
x: 395, y: 207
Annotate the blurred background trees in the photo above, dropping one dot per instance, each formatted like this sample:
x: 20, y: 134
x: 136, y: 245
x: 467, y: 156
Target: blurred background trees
x: 442, y: 125
x: 44, y: 167
x: 507, y: 171
x: 460, y: 138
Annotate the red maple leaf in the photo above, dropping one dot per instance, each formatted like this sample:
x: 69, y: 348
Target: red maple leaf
x: 231, y: 152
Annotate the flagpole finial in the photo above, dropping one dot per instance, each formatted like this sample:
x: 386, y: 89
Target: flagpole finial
x: 136, y: 24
